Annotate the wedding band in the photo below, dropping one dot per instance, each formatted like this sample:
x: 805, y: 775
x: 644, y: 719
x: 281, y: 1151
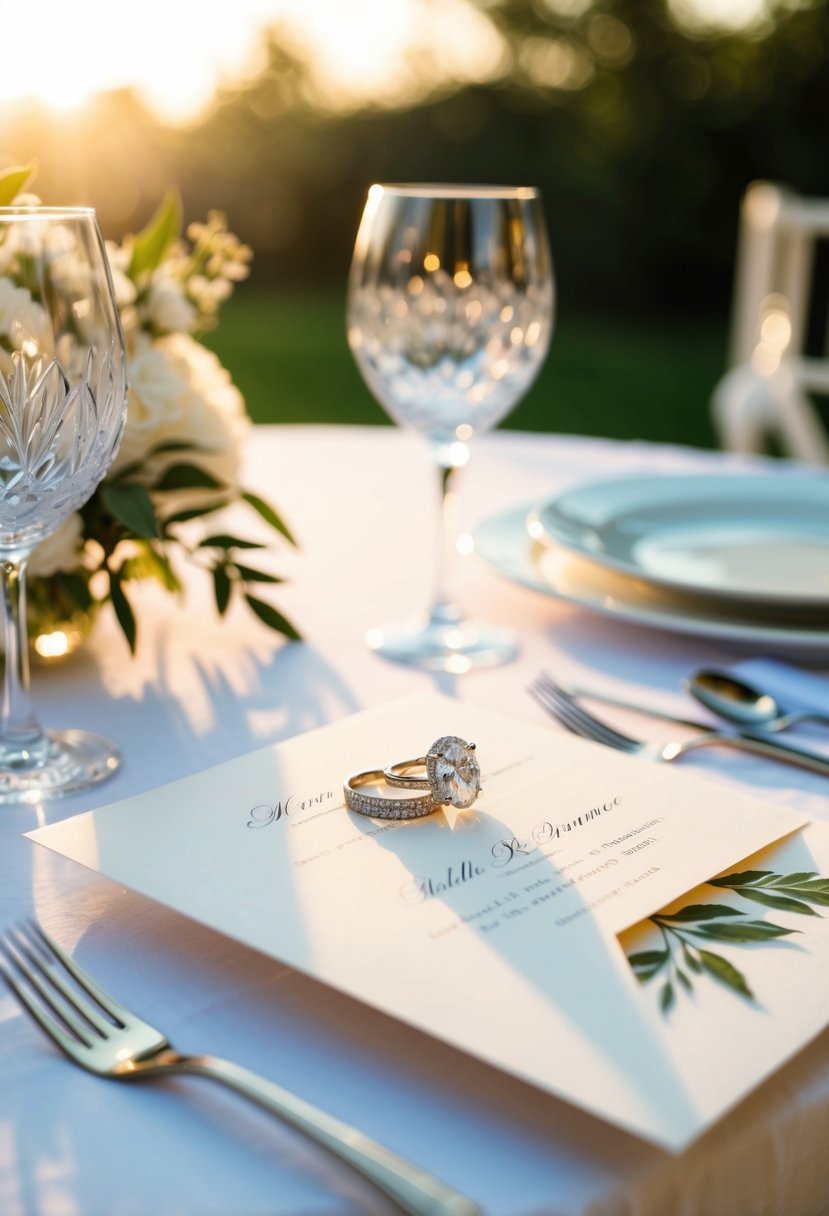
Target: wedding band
x: 400, y: 774
x: 379, y: 807
x: 453, y: 775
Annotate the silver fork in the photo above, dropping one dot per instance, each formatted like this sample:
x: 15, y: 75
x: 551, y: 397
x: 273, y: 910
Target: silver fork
x: 567, y: 710
x: 107, y: 1039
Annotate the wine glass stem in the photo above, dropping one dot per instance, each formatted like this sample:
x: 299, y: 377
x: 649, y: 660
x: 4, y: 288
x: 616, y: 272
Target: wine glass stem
x: 449, y: 460
x: 19, y: 728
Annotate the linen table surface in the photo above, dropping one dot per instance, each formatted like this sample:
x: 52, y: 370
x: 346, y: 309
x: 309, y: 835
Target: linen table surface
x: 362, y: 502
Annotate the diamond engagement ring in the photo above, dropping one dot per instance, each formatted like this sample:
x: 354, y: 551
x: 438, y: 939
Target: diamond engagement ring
x: 453, y: 775
x: 379, y: 807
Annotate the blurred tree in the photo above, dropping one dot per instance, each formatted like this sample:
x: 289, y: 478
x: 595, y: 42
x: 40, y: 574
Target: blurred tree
x: 642, y: 132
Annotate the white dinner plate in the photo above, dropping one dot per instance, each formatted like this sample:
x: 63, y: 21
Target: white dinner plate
x: 504, y: 543
x: 754, y: 538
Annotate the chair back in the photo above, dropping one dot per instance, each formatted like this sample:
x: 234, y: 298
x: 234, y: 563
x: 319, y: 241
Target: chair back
x: 776, y: 362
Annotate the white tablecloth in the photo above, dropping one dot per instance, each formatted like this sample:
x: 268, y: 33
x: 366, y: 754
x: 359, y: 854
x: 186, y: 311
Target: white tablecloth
x: 362, y: 503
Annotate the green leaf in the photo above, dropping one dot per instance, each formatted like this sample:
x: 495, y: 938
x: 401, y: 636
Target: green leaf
x: 722, y: 970
x: 222, y: 587
x: 168, y: 445
x: 150, y: 563
x: 269, y: 515
x: 133, y: 507
x: 74, y: 588
x: 740, y: 880
x: 123, y: 611
x: 782, y: 903
x: 182, y: 517
x: 684, y: 981
x: 666, y: 997
x: 745, y: 931
x: 152, y: 242
x: 697, y: 912
x: 176, y: 445
x: 648, y: 958
x: 272, y: 618
x: 12, y: 182
x: 223, y: 541
x: 249, y: 575
x: 187, y: 477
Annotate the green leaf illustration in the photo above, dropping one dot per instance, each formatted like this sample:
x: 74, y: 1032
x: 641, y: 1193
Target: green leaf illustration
x: 648, y: 958
x: 782, y: 903
x: 740, y: 880
x: 762, y: 886
x: 743, y: 931
x: 683, y: 931
x: 691, y: 960
x: 695, y: 912
x: 721, y: 969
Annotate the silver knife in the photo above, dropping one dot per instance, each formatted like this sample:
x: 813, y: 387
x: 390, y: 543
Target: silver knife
x: 815, y: 761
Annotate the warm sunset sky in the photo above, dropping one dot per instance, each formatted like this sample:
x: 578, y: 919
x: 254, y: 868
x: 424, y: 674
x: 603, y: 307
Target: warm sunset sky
x: 175, y: 51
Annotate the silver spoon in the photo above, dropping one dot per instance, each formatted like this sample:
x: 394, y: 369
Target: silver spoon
x: 738, y: 701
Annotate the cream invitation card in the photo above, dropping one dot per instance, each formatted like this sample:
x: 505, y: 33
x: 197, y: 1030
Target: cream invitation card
x: 498, y: 928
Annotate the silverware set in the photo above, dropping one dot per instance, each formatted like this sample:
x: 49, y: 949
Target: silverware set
x: 97, y: 1032
x: 563, y: 704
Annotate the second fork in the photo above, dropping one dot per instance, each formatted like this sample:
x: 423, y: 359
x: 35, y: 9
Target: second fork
x: 566, y: 710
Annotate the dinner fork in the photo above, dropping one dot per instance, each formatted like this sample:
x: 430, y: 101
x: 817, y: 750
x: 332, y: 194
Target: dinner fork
x: 567, y: 710
x: 107, y: 1039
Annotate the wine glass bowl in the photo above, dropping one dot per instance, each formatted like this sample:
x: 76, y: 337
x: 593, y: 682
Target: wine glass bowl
x: 62, y: 413
x: 450, y: 315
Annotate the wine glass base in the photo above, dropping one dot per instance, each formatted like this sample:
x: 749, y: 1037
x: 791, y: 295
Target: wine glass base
x: 70, y: 761
x: 455, y: 648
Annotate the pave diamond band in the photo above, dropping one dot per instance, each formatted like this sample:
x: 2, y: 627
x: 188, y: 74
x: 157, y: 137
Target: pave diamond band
x: 452, y: 773
x: 379, y: 807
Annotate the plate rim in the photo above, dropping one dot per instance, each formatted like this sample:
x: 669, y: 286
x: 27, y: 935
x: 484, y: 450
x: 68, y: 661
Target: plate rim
x: 540, y: 531
x: 514, y: 518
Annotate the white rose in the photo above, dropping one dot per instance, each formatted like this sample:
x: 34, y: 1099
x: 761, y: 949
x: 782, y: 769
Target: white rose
x: 59, y: 551
x: 20, y: 316
x: 122, y: 284
x: 168, y: 311
x: 178, y: 390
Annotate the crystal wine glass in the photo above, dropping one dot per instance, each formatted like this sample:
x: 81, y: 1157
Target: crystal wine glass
x: 62, y: 413
x: 450, y: 313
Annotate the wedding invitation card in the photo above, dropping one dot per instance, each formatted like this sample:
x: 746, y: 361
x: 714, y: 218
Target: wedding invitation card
x: 567, y: 927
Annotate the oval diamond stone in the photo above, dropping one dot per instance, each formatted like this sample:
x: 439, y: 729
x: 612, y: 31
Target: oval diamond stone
x: 454, y: 772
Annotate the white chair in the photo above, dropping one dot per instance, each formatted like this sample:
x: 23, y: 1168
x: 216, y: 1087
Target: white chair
x: 764, y: 396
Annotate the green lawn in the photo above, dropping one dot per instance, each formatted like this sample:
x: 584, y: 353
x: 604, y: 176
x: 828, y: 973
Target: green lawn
x: 627, y: 378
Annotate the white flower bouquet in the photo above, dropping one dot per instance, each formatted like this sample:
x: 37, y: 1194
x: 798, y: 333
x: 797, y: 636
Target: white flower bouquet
x: 181, y: 454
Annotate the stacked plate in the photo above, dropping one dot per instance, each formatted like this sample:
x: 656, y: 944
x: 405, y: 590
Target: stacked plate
x: 744, y: 556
